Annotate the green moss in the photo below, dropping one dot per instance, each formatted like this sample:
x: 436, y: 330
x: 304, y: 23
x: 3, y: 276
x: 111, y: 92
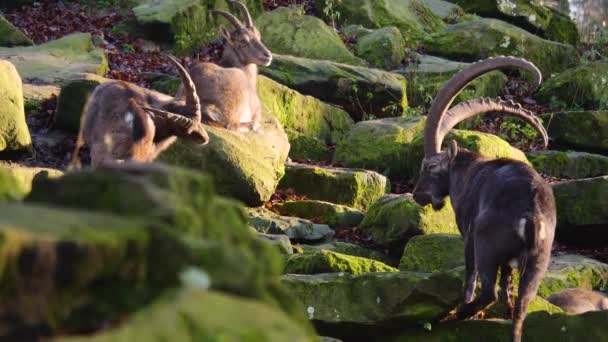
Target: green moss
x: 11, y: 36
x: 432, y: 253
x: 14, y: 133
x: 570, y: 271
x: 574, y: 165
x: 72, y: 100
x: 324, y: 261
x: 335, y: 215
x: 566, y: 129
x: 382, y: 48
x: 16, y: 182
x: 581, y: 203
x: 352, y: 249
x: 307, y: 148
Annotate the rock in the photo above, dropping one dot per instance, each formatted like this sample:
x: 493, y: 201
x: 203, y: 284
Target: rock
x: 354, y: 250
x: 499, y: 309
x: 14, y: 133
x: 266, y: 221
x: 334, y: 215
x: 432, y: 253
x: 11, y: 36
x: 582, y: 130
x: 325, y: 261
x: 581, y: 87
x: 352, y: 187
x: 72, y: 100
x: 471, y: 41
x: 233, y: 318
x: 445, y: 10
x: 379, y: 145
x: 581, y: 210
x: 411, y: 17
x: 569, y: 271
x: 382, y: 48
x: 305, y: 148
x: 288, y: 31
x: 361, y: 91
x: 186, y: 23
x: 429, y: 75
x: 281, y: 242
x: 16, y: 181
x: 34, y: 94
x: 246, y: 166
x: 532, y: 16
x: 58, y: 60
x: 393, y: 219
x: 570, y: 164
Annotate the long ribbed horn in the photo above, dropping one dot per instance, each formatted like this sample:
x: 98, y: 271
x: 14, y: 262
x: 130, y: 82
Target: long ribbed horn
x: 180, y: 125
x: 231, y: 18
x: 193, y: 102
x: 467, y: 109
x: 448, y: 93
x: 249, y: 21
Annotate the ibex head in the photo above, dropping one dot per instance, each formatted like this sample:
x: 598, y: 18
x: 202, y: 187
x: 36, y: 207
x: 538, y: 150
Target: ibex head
x: 434, y: 180
x: 245, y: 42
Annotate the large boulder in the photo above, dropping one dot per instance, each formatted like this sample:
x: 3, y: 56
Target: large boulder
x: 245, y: 166
x: 570, y: 164
x: 334, y: 215
x: 58, y: 60
x: 356, y: 188
x: 11, y: 36
x: 473, y: 40
x: 411, y: 17
x: 326, y: 261
x: 530, y: 15
x: 288, y: 31
x: 16, y: 181
x: 581, y: 210
x: 361, y: 91
x: 393, y: 219
x: 570, y: 271
x: 382, y: 48
x: 581, y: 130
x: 581, y: 87
x: 14, y: 134
x: 268, y: 222
x: 432, y: 253
x: 72, y: 100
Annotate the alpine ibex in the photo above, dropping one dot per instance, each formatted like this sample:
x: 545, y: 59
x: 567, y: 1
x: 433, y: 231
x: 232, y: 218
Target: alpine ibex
x: 228, y: 91
x: 577, y: 301
x: 504, y: 209
x: 123, y: 121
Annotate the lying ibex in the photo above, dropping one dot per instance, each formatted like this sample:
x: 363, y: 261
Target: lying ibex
x: 577, y: 301
x: 123, y: 121
x: 504, y: 210
x: 228, y: 91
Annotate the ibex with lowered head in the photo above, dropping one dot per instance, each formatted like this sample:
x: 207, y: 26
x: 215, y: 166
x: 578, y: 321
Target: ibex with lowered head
x: 504, y: 210
x: 577, y: 301
x: 123, y: 121
x: 228, y: 91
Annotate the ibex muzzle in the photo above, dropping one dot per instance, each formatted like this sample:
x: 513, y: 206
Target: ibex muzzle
x: 504, y: 210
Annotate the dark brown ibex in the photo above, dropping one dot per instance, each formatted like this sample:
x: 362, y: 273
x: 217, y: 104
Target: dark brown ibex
x: 228, y: 91
x: 123, y: 121
x: 577, y: 301
x: 504, y: 209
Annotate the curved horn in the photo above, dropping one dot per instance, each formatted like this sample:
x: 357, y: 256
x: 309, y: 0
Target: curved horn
x: 457, y: 83
x: 467, y: 109
x: 179, y: 124
x: 231, y: 18
x: 193, y: 102
x: 249, y: 21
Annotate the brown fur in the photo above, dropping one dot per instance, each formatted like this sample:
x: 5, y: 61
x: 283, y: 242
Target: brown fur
x: 577, y: 301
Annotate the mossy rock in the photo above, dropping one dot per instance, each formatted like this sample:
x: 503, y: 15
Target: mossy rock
x: 288, y: 31
x: 581, y: 130
x: 581, y: 210
x: 432, y: 253
x: 356, y: 188
x: 411, y: 17
x: 532, y: 16
x: 360, y: 91
x: 72, y: 100
x: 186, y: 23
x: 58, y: 60
x: 334, y: 215
x: 185, y: 314
x: 352, y: 249
x: 245, y: 166
x: 445, y: 10
x: 325, y: 261
x: 394, y: 219
x: 16, y: 181
x: 379, y: 145
x: 569, y: 164
x: 11, y: 36
x: 35, y: 94
x: 581, y: 87
x: 14, y: 133
x: 499, y: 309
x: 382, y: 48
x: 268, y: 222
x: 305, y: 148
x: 570, y: 271
x: 471, y: 41
x: 279, y: 241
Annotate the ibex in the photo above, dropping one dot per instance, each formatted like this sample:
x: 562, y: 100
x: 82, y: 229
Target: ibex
x: 577, y: 301
x: 228, y: 91
x: 504, y: 209
x: 123, y: 121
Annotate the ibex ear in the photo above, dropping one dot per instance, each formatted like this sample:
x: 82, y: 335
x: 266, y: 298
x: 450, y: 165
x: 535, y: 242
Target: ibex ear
x: 452, y: 150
